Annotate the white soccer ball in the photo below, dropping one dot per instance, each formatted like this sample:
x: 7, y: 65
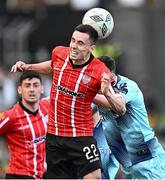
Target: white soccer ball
x: 101, y: 20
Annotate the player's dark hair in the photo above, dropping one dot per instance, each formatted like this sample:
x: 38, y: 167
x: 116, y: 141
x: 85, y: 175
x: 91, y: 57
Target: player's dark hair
x: 85, y: 28
x: 29, y: 75
x: 109, y: 62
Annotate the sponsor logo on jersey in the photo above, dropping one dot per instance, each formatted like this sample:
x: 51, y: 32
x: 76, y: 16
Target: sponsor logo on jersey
x: 68, y: 91
x: 1, y: 116
x: 24, y: 127
x: 39, y: 139
x: 86, y: 79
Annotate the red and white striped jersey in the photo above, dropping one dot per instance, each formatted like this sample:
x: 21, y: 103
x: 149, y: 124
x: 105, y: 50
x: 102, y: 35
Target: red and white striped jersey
x: 72, y: 92
x: 25, y: 133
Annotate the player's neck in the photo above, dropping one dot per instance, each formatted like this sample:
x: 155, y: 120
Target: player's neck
x: 33, y: 107
x: 81, y: 61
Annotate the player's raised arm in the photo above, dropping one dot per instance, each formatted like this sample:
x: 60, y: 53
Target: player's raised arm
x: 110, y: 99
x: 43, y: 67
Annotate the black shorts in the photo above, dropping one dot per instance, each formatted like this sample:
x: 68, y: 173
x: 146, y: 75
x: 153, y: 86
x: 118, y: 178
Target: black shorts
x: 18, y: 176
x: 71, y: 157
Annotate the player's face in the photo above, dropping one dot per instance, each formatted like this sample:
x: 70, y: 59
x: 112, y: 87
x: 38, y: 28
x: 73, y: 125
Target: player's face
x: 30, y: 90
x: 80, y: 47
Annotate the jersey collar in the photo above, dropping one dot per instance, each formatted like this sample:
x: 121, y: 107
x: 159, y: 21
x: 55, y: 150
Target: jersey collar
x: 82, y: 65
x: 118, y: 79
x: 27, y: 110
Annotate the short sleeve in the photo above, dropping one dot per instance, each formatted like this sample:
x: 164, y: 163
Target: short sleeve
x: 5, y: 122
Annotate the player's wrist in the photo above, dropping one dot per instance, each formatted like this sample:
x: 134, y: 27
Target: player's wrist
x: 29, y: 67
x: 107, y: 93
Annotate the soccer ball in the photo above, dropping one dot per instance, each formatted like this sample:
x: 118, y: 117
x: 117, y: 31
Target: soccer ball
x: 101, y: 20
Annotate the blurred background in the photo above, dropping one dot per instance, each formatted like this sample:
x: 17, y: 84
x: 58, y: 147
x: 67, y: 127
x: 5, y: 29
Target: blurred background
x: 30, y: 29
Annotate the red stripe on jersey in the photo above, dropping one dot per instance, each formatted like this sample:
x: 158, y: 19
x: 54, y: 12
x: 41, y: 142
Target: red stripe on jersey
x: 72, y: 93
x: 26, y: 134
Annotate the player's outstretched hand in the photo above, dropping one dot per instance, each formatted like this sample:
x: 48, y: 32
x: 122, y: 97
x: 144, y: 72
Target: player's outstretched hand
x: 20, y: 66
x: 105, y: 83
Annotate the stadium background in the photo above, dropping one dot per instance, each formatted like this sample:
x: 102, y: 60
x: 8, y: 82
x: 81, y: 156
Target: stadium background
x: 29, y: 30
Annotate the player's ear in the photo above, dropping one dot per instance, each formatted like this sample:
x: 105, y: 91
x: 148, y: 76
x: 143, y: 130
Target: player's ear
x: 19, y: 90
x: 42, y: 90
x: 92, y: 48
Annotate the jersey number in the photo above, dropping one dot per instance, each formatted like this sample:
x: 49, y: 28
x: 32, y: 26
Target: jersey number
x: 90, y: 152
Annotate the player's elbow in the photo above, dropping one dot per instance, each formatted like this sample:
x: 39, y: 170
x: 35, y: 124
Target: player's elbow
x: 121, y: 107
x: 122, y: 110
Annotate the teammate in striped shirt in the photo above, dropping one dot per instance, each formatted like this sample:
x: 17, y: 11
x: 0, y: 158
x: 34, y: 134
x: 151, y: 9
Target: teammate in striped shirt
x: 25, y: 127
x: 77, y: 78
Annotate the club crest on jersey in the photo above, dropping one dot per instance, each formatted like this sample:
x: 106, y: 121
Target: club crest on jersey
x: 86, y: 79
x: 1, y: 116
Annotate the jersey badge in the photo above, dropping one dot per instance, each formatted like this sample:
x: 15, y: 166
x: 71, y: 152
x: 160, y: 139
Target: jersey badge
x: 86, y: 79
